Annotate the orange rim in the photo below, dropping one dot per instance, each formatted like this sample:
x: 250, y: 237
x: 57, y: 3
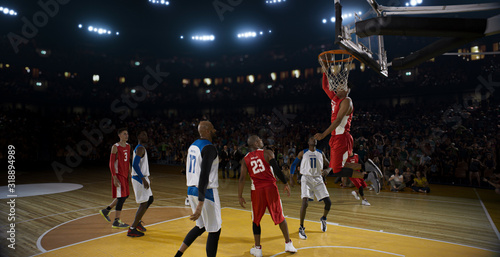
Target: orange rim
x: 348, y: 59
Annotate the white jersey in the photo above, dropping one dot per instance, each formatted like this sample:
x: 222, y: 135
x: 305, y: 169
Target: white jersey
x: 312, y: 163
x: 193, y: 165
x: 143, y: 163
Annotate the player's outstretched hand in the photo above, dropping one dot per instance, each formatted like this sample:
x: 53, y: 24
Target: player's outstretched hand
x: 197, y: 212
x: 287, y: 189
x: 242, y: 202
x: 318, y: 136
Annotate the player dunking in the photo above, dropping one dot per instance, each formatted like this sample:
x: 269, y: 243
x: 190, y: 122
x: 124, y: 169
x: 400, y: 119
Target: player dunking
x: 264, y: 191
x: 312, y: 161
x: 341, y: 142
x: 119, y: 164
x: 202, y: 166
x: 141, y: 185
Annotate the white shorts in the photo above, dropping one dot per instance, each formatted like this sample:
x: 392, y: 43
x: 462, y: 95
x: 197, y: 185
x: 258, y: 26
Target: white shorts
x: 310, y: 185
x: 211, y: 217
x: 141, y: 194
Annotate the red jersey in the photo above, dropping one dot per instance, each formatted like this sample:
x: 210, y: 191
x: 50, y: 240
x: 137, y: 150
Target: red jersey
x: 259, y: 170
x: 122, y: 160
x: 353, y: 159
x: 345, y: 124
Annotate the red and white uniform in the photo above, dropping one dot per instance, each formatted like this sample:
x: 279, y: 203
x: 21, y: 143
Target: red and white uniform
x: 121, y: 169
x: 341, y: 141
x: 264, y: 191
x: 358, y: 182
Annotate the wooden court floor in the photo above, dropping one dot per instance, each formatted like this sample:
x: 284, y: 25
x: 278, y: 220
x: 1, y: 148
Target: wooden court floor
x: 450, y: 221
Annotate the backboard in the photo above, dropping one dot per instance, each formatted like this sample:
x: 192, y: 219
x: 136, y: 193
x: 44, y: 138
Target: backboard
x: 364, y: 37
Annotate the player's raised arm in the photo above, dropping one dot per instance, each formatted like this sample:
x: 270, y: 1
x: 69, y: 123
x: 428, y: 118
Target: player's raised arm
x: 345, y: 107
x: 326, y: 87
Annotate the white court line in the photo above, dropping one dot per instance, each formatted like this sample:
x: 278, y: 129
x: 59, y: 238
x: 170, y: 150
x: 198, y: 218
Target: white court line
x: 347, y: 247
x: 384, y: 232
x: 423, y: 199
x: 39, y: 241
x: 98, y: 207
x: 43, y: 250
x: 488, y: 216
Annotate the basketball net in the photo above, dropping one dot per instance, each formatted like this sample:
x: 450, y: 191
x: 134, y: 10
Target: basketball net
x: 336, y: 64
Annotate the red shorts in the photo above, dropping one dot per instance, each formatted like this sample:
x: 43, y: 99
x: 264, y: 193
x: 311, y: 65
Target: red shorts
x: 358, y: 182
x: 267, y: 197
x: 340, y: 150
x: 123, y: 190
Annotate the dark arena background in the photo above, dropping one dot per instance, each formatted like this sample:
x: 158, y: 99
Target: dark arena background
x: 73, y: 72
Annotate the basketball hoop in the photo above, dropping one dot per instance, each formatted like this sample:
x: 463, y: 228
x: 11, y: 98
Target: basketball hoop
x: 336, y: 64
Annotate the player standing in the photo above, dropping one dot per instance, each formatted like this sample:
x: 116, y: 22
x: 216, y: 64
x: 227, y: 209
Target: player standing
x: 141, y: 185
x: 311, y: 167
x: 119, y: 165
x: 261, y: 165
x: 202, y: 166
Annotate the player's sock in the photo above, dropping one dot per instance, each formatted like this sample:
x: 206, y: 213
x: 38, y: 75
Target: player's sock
x: 178, y: 254
x: 108, y: 208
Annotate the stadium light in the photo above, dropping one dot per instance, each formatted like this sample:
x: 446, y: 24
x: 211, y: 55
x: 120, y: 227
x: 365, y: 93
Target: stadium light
x: 8, y: 11
x: 95, y: 78
x: 275, y: 1
x: 414, y: 2
x: 251, y: 79
x: 203, y: 37
x: 133, y: 91
x: 100, y: 31
x: 247, y: 34
x: 324, y: 21
x: 182, y: 37
x: 159, y: 2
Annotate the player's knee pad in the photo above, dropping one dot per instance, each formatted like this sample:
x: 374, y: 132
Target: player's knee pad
x: 256, y: 229
x: 119, y: 204
x: 150, y: 200
x: 193, y: 234
x: 328, y: 203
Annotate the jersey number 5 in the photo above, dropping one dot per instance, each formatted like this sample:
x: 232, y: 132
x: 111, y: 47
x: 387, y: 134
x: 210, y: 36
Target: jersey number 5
x: 257, y: 166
